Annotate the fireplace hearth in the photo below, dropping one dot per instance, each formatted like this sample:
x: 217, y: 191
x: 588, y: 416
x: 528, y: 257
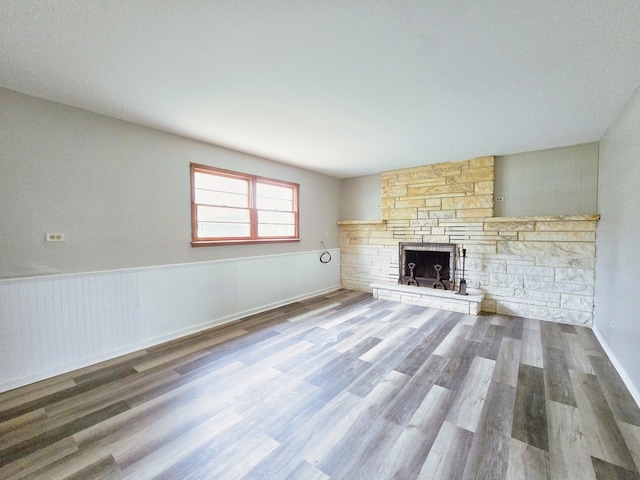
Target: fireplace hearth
x: 430, y: 265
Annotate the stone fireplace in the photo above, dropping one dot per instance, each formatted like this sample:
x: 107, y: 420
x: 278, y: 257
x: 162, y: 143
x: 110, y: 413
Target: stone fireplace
x: 427, y: 264
x: 539, y: 267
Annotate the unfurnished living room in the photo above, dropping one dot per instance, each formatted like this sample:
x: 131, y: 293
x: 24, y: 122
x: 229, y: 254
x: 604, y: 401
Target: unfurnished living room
x: 319, y: 240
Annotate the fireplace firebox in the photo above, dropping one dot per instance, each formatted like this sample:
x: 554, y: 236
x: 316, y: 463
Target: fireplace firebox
x: 427, y: 265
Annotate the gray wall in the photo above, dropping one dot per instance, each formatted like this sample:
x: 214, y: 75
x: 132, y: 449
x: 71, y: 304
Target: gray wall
x: 560, y: 181
x: 120, y: 193
x: 617, y: 303
x: 361, y: 198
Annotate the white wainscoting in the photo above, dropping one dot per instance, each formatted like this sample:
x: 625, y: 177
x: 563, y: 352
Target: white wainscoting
x: 55, y: 324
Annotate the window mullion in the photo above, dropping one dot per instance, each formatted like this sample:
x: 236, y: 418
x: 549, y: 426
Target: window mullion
x: 254, y: 208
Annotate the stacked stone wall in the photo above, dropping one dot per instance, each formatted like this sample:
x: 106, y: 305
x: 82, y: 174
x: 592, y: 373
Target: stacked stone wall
x: 538, y: 267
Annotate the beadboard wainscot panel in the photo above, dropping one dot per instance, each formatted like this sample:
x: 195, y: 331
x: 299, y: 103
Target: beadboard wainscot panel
x: 54, y: 324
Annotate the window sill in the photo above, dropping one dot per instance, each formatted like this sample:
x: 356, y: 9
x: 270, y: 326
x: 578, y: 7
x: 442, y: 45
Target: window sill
x: 253, y: 241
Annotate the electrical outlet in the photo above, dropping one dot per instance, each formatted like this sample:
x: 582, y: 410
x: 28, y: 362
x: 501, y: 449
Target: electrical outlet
x: 54, y: 237
x: 499, y: 199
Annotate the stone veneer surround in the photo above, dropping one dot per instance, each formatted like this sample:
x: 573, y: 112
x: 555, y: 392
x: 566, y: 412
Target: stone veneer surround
x: 540, y: 267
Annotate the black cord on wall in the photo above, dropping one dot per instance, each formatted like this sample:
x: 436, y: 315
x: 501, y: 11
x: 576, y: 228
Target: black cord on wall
x: 323, y: 256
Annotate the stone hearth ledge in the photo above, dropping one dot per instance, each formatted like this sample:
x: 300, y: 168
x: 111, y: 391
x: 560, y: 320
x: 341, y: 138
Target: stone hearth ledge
x: 428, y: 297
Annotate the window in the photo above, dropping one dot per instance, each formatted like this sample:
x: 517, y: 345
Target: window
x: 230, y: 208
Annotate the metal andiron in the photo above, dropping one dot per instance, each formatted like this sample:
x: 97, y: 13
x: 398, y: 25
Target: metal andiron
x: 438, y: 283
x: 412, y: 280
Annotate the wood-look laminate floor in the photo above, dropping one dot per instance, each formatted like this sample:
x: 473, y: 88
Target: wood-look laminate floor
x: 337, y: 387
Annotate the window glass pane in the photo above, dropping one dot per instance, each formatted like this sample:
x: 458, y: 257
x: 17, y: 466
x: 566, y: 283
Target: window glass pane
x: 223, y: 215
x: 221, y: 183
x: 265, y: 203
x: 276, y: 217
x: 230, y: 205
x: 210, y: 197
x: 275, y: 230
x: 274, y: 191
x: 228, y: 230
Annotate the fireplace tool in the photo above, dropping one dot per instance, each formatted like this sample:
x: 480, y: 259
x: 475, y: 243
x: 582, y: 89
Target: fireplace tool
x: 412, y: 280
x: 463, y: 283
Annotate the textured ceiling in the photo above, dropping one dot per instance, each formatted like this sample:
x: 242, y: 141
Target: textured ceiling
x: 343, y: 87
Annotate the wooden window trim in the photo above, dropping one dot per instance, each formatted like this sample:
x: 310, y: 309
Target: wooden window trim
x: 253, y: 182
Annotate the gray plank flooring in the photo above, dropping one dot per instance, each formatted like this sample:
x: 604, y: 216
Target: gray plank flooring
x: 341, y: 386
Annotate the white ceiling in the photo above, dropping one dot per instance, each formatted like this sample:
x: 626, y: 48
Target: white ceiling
x: 343, y: 87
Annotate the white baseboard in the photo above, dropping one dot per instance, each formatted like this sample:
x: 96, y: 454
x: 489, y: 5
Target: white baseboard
x: 618, y: 366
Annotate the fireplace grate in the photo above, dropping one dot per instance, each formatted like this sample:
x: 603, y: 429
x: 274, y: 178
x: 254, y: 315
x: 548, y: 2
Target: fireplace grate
x: 427, y: 265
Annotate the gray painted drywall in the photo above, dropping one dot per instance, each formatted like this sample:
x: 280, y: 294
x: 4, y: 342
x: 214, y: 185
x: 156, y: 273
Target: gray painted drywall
x: 617, y: 303
x: 361, y: 198
x: 120, y: 193
x: 559, y: 181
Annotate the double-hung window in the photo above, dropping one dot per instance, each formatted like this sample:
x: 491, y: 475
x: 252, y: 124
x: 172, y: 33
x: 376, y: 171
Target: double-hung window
x: 231, y: 207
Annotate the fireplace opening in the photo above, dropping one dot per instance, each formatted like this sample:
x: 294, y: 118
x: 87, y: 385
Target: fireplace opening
x: 427, y: 265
